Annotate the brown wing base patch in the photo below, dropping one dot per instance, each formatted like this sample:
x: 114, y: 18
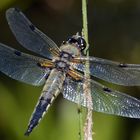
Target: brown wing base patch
x: 47, y: 64
x: 74, y: 74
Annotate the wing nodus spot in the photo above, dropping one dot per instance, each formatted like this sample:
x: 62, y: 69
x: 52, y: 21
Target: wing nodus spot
x: 122, y: 65
x: 32, y: 27
x: 106, y: 89
x: 18, y: 53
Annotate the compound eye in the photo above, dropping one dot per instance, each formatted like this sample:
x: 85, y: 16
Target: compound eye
x: 72, y: 40
x: 81, y: 43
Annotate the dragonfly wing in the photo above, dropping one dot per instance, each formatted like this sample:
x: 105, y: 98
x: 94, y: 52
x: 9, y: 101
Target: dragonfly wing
x: 21, y: 66
x: 114, y: 72
x: 104, y: 99
x: 28, y: 35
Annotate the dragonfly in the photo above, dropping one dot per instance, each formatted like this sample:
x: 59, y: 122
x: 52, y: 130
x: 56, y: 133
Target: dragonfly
x: 61, y: 70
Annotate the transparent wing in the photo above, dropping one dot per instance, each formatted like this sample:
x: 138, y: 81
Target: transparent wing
x: 28, y: 35
x: 21, y: 66
x: 104, y: 99
x: 114, y: 72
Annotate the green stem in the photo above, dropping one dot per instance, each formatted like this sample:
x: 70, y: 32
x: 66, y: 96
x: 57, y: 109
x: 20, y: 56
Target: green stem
x: 86, y: 86
x: 87, y: 133
x: 85, y: 35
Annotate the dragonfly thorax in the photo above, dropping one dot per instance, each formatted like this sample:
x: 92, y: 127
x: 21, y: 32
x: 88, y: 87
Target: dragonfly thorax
x: 70, y: 49
x: 65, y: 56
x: 61, y: 65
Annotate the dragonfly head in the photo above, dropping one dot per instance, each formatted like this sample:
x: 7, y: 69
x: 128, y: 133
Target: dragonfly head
x: 78, y: 40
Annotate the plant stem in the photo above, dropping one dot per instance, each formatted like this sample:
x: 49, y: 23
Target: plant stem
x: 86, y: 86
x: 85, y: 24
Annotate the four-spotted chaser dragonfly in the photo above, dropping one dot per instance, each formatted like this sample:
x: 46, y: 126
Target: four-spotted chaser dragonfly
x: 62, y: 70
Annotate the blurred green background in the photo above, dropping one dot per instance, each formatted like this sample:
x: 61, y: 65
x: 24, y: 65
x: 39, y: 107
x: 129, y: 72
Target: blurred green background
x: 114, y: 33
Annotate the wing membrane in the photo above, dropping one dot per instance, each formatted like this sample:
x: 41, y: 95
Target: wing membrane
x: 28, y: 35
x: 104, y: 99
x: 122, y: 74
x: 21, y: 66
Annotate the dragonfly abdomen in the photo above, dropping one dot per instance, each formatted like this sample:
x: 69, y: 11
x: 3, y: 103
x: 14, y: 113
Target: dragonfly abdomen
x: 50, y: 91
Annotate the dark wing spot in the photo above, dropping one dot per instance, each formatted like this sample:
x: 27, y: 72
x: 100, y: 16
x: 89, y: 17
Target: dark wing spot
x: 122, y: 65
x: 17, y: 9
x: 107, y: 89
x: 18, y: 53
x: 32, y: 27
